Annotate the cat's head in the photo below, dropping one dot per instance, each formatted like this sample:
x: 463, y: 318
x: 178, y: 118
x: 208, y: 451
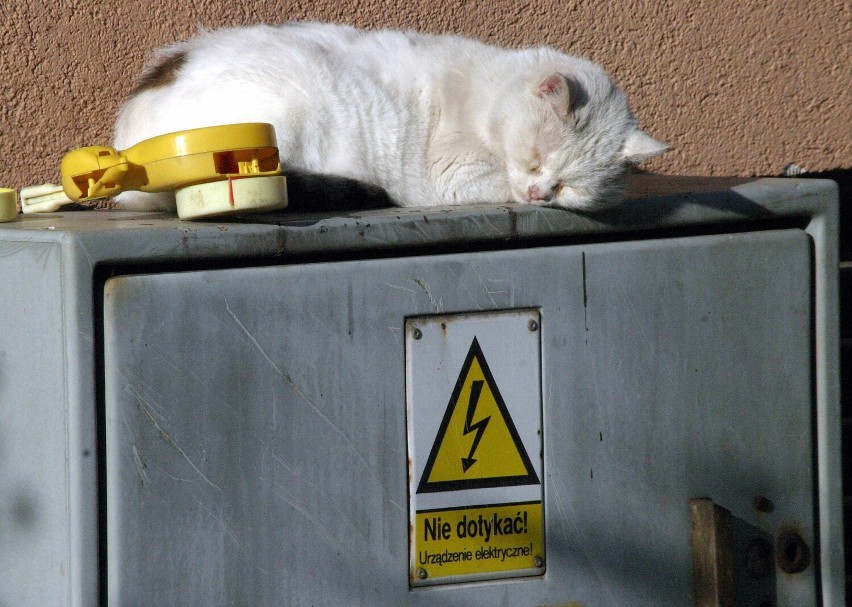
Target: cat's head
x: 569, y: 138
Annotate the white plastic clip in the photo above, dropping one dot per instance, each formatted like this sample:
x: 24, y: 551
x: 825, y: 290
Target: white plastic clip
x: 44, y: 198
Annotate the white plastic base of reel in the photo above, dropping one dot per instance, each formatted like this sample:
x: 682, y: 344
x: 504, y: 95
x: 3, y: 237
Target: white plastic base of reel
x: 244, y: 195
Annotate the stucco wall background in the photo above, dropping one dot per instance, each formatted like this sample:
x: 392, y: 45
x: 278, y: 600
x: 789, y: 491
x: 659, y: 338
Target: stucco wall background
x: 736, y: 88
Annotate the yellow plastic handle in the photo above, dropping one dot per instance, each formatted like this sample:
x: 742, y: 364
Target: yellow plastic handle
x: 172, y: 161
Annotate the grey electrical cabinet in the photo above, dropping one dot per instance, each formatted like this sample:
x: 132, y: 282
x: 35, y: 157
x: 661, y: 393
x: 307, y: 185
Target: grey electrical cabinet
x: 501, y: 405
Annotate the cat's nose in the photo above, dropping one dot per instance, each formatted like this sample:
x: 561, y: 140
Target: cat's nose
x: 536, y: 194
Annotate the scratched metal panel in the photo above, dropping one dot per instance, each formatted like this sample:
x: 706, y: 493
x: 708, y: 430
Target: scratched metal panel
x: 35, y: 492
x: 256, y: 439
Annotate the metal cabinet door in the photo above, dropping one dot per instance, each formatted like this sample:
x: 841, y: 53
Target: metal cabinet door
x: 255, y: 419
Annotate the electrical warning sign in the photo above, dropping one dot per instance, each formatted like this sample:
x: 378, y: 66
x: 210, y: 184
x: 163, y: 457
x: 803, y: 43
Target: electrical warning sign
x: 477, y: 444
x: 473, y: 386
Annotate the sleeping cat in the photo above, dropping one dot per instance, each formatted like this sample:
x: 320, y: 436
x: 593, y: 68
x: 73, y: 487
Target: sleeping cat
x: 433, y: 120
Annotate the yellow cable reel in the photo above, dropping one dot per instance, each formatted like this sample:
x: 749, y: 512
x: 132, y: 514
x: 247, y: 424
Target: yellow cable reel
x: 213, y: 170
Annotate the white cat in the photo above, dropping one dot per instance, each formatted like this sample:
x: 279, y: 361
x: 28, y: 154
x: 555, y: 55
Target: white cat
x: 433, y: 120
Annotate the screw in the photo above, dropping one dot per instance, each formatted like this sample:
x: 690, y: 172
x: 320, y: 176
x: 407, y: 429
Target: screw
x: 532, y: 325
x: 421, y: 573
x: 417, y: 334
x: 538, y: 562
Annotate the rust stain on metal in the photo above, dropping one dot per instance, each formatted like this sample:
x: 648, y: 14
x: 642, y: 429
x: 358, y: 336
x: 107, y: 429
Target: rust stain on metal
x: 793, y: 554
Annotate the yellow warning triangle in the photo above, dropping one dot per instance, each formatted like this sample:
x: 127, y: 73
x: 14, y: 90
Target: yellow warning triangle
x: 477, y: 444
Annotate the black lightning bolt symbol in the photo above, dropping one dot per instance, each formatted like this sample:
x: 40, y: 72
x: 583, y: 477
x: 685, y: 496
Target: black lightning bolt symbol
x: 479, y: 427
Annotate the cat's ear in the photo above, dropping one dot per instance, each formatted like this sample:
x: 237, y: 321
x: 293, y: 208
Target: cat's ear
x: 639, y: 147
x: 555, y: 90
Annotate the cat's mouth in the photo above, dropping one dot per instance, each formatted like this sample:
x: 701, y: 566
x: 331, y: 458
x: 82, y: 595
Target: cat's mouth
x: 540, y: 194
x: 529, y: 197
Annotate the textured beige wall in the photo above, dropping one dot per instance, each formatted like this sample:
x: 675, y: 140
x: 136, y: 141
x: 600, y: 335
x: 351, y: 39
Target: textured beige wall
x: 735, y: 87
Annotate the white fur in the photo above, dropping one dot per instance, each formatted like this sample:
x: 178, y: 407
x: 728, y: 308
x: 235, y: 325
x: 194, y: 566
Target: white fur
x: 432, y: 119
